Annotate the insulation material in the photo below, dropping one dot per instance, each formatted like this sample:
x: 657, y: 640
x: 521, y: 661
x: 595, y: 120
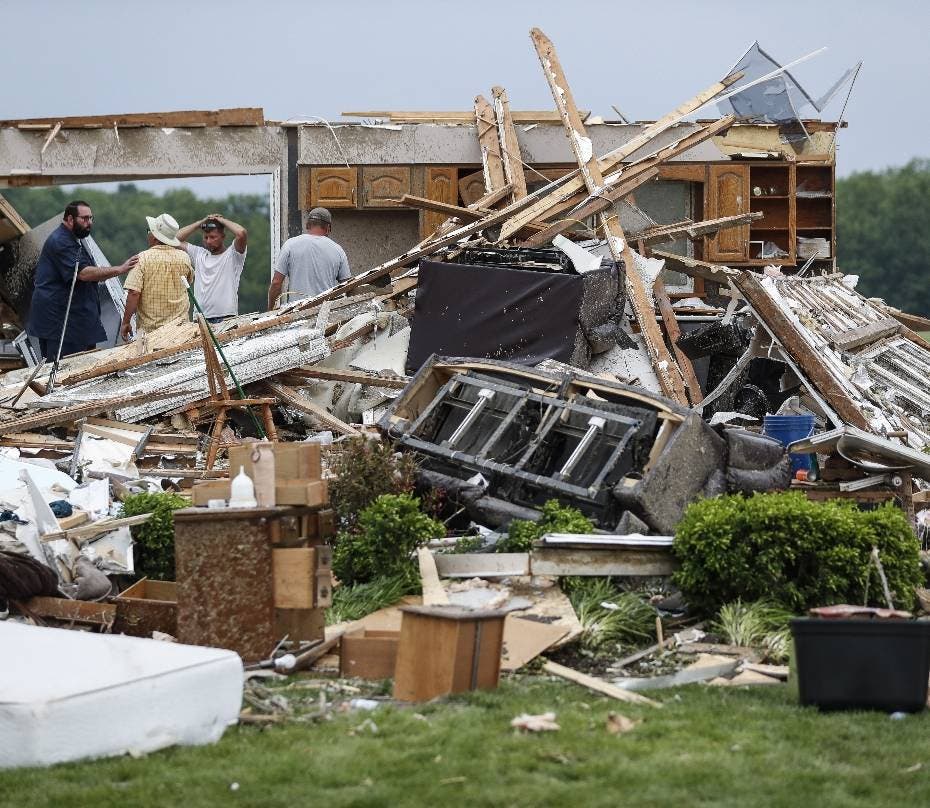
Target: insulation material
x: 253, y: 357
x: 121, y: 694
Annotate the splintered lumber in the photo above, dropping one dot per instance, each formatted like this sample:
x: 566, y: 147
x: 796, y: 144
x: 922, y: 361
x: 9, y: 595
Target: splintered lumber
x: 433, y: 592
x: 507, y: 134
x: 663, y: 363
x: 597, y: 685
x: 865, y: 334
x: 800, y: 350
x: 86, y: 532
x: 291, y: 398
x: 350, y: 377
x: 671, y: 328
x: 65, y: 415
x: 12, y: 225
x: 623, y: 182
x: 240, y: 116
x: 692, y: 230
x: 693, y: 268
x: 465, y: 214
x: 492, y: 162
x: 574, y: 181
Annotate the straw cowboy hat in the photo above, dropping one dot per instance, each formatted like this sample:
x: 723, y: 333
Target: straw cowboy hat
x: 165, y: 229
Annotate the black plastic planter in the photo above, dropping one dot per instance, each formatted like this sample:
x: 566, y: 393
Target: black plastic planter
x: 856, y: 664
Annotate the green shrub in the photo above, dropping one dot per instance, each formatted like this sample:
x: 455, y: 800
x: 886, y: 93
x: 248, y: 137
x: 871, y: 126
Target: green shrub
x: 153, y: 553
x: 381, y: 545
x: 556, y: 518
x: 364, y: 470
x: 356, y: 601
x: 793, y: 552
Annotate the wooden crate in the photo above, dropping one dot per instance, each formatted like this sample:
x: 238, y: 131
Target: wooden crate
x: 369, y: 654
x: 447, y: 649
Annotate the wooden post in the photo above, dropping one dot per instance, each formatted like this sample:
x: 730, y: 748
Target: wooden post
x: 671, y: 328
x: 507, y: 134
x: 491, y: 159
x: 663, y: 363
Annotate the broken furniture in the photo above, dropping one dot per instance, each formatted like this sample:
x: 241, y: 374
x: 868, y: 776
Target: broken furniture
x: 145, y: 607
x: 515, y: 305
x: 239, y: 587
x: 447, y: 649
x: 368, y: 653
x: 533, y: 435
x: 67, y: 695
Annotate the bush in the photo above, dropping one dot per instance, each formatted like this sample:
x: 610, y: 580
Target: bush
x: 387, y: 533
x: 609, y: 617
x: 153, y: 553
x: 793, y: 552
x: 365, y: 469
x: 555, y: 519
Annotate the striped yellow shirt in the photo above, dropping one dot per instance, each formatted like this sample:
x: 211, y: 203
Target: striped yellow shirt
x: 157, y: 278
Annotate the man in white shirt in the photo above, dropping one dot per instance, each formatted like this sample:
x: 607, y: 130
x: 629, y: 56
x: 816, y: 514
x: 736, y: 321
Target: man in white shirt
x: 312, y: 262
x: 217, y: 268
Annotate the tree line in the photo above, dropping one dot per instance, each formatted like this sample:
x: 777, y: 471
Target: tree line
x: 881, y: 219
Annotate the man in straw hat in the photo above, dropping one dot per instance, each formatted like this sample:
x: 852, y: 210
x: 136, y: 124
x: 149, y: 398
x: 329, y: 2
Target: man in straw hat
x: 154, y: 290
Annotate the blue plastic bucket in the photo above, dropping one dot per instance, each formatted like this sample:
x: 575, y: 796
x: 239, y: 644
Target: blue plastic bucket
x: 787, y: 429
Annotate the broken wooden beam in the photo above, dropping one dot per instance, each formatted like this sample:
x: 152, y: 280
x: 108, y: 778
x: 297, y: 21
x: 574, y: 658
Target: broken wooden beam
x: 674, y: 333
x: 693, y: 230
x: 510, y: 146
x: 597, y: 685
x: 291, y: 398
x: 350, y: 377
x: 239, y: 116
x: 492, y: 161
x: 800, y: 350
x: 865, y: 334
x: 663, y: 363
x: 454, y: 116
x: 693, y: 268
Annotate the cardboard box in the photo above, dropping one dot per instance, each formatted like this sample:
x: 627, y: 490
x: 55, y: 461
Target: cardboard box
x: 205, y: 490
x: 369, y: 654
x: 293, y: 462
x: 313, y: 494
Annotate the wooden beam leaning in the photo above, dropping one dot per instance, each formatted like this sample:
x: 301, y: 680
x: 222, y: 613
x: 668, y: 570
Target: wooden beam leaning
x: 674, y: 332
x: 663, y: 363
x: 800, y: 351
x: 613, y: 158
x: 291, y: 398
x: 507, y: 134
x: 693, y: 268
x: 670, y: 232
x: 492, y: 162
x: 613, y: 188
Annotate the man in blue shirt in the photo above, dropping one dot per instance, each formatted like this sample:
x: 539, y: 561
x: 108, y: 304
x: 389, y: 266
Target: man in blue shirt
x: 53, y: 276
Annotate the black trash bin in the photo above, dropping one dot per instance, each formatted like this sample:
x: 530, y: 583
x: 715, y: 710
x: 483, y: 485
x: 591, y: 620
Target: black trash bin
x: 856, y: 664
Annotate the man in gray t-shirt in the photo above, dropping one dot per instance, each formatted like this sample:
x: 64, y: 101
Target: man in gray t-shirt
x: 312, y: 263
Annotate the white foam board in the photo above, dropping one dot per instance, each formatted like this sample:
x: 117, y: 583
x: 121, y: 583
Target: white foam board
x: 67, y: 695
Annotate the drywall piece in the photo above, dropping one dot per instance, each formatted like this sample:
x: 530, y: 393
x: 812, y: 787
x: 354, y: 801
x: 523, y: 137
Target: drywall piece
x: 121, y: 694
x: 384, y: 353
x: 582, y: 260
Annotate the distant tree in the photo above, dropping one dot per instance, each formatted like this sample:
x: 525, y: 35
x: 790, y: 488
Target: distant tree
x: 883, y: 233
x: 120, y: 226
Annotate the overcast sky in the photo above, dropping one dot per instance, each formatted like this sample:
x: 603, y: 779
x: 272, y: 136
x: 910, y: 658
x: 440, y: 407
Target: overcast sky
x: 299, y: 59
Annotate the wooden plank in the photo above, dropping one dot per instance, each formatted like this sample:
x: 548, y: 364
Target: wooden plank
x: 294, y: 571
x: 663, y: 363
x: 350, y: 377
x: 693, y: 230
x: 239, y: 116
x: 492, y: 161
x: 597, y: 685
x: 98, y: 528
x: 465, y: 214
x: 674, y: 332
x: 573, y: 183
x: 292, y: 398
x: 866, y: 334
x: 524, y: 640
x: 800, y: 351
x: 692, y: 267
x: 79, y: 611
x: 630, y: 177
x: 433, y: 592
x: 510, y: 146
x: 455, y: 116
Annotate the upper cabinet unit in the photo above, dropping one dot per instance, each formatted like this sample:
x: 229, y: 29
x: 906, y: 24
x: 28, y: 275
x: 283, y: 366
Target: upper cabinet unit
x: 334, y: 187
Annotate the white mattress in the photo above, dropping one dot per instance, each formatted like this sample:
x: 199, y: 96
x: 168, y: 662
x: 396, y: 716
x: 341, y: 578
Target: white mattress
x: 67, y: 695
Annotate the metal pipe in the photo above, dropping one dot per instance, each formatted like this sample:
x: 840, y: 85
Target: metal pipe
x: 484, y: 396
x: 595, y: 425
x: 64, y: 328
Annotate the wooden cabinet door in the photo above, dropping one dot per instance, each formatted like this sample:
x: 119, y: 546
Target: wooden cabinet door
x: 442, y: 186
x: 383, y: 186
x: 471, y: 187
x: 333, y: 187
x: 727, y: 194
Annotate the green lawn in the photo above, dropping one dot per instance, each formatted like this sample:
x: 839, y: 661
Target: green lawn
x: 707, y: 746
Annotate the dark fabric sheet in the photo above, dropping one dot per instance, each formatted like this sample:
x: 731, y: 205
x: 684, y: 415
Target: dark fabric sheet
x: 494, y: 312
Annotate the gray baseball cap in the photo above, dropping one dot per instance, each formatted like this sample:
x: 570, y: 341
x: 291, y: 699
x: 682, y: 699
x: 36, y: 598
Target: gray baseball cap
x: 320, y: 215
